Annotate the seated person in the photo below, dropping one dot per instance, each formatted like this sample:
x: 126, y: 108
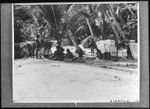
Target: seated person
x: 69, y: 55
x: 80, y: 53
x: 99, y: 54
x: 60, y: 48
x: 58, y: 54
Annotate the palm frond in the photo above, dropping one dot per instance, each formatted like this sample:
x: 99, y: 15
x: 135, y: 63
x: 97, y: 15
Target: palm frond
x: 52, y: 14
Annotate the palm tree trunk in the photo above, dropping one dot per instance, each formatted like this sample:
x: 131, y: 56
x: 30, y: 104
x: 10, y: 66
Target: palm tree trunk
x: 130, y: 10
x: 90, y: 28
x: 73, y: 40
x: 116, y: 23
x: 116, y: 32
x: 54, y: 16
x: 118, y: 40
x: 57, y: 31
x: 88, y: 23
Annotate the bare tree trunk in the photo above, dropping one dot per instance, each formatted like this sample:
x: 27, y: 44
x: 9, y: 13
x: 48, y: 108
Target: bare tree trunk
x: 120, y: 30
x: 116, y: 23
x: 90, y: 28
x: 88, y: 23
x: 116, y: 32
x: 58, y: 38
x: 117, y: 39
x: 78, y: 50
x: 54, y: 16
x: 130, y: 11
x: 57, y: 31
x: 73, y: 40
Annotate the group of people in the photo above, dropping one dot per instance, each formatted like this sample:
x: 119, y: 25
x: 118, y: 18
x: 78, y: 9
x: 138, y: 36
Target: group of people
x: 60, y: 55
x: 42, y: 43
x: 36, y: 48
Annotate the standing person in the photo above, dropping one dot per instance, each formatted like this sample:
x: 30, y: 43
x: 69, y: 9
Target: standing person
x: 129, y: 54
x: 92, y: 46
x: 38, y: 46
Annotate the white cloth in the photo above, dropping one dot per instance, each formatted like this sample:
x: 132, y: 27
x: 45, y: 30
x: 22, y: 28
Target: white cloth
x: 133, y: 48
x: 106, y: 46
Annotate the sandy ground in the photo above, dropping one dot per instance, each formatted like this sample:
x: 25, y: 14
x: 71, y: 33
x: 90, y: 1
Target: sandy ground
x: 43, y: 80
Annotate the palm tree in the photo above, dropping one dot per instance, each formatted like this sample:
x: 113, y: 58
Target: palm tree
x: 53, y: 14
x: 67, y: 15
x: 74, y: 14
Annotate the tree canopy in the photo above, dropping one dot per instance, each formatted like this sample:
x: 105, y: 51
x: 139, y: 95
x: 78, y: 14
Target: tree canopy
x: 82, y: 20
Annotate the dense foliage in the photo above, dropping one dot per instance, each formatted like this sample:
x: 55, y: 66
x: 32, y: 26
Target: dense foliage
x: 75, y: 22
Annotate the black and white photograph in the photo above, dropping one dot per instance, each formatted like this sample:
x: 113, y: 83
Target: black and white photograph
x: 76, y: 52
